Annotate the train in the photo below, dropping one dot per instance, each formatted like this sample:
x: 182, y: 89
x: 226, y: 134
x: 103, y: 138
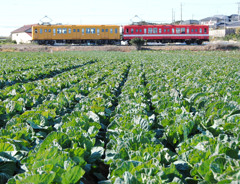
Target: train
x: 114, y: 34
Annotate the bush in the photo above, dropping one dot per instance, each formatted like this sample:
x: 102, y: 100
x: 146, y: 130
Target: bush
x: 138, y: 42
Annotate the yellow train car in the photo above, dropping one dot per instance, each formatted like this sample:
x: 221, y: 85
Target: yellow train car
x: 77, y: 34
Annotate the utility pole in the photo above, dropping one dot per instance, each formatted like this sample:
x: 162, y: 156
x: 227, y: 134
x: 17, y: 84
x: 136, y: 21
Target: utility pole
x: 181, y: 14
x: 173, y: 16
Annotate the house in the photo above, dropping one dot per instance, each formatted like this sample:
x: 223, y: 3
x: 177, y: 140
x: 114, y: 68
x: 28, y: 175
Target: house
x: 210, y: 21
x: 22, y: 34
x: 187, y: 22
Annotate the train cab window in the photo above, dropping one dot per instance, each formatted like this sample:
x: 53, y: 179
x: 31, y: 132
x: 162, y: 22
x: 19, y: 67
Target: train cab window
x: 45, y: 30
x: 93, y: 30
x: 98, y: 31
x: 177, y: 30
x: 40, y: 31
x: 88, y: 30
x: 49, y: 30
x: 131, y: 30
x: 82, y: 30
x: 74, y: 30
x: 200, y: 30
x: 140, y: 30
x: 187, y: 30
x: 136, y: 30
x: 116, y: 30
x: 64, y: 30
x: 160, y: 30
x: 111, y: 30
x: 173, y: 30
x: 106, y: 30
x: 155, y: 30
x: 78, y: 30
x: 150, y: 31
x: 183, y: 30
x: 35, y: 30
x: 102, y: 30
x: 69, y: 31
x: 205, y: 30
x: 145, y: 31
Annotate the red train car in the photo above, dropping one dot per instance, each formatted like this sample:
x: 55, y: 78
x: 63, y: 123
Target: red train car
x: 167, y: 33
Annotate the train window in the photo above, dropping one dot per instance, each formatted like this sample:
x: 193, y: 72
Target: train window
x: 192, y: 30
x: 59, y: 31
x: 131, y: 30
x: 45, y: 30
x: 74, y: 30
x: 49, y: 30
x: 177, y: 30
x: 78, y: 30
x: 69, y: 31
x: 116, y: 30
x: 155, y: 30
x: 205, y: 30
x: 88, y: 30
x: 168, y: 30
x: 126, y: 30
x: 136, y: 30
x: 173, y: 30
x: 150, y: 31
x: 196, y: 30
x: 98, y: 31
x: 64, y: 31
x: 165, y: 30
x: 183, y: 30
x: 93, y: 30
x: 111, y: 30
x: 35, y: 30
x: 82, y: 30
x: 145, y: 31
x: 40, y: 31
x: 54, y: 31
x: 140, y: 30
x: 106, y: 30
x: 102, y: 30
x: 200, y: 30
x: 187, y: 30
x: 160, y: 30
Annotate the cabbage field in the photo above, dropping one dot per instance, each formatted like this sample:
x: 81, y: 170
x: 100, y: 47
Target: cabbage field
x: 122, y: 118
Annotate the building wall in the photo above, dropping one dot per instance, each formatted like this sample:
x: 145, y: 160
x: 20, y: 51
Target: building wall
x: 221, y: 32
x: 21, y: 38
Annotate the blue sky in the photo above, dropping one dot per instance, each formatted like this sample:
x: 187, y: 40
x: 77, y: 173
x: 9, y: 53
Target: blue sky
x: 16, y: 13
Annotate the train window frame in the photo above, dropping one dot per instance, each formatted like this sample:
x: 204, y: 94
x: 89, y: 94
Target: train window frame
x: 49, y: 30
x: 196, y: 30
x: 98, y: 31
x: 69, y: 30
x: 36, y: 31
x: 59, y: 30
x: 140, y: 30
x: 150, y: 30
x: 106, y: 30
x: 132, y: 30
x: 40, y: 31
x: 116, y: 30
x: 205, y: 30
x: 178, y: 30
x: 102, y: 30
x: 54, y: 31
x: 111, y: 30
x: 78, y: 30
x: 183, y: 30
x: 93, y: 30
x: 168, y: 30
x: 192, y: 30
x: 160, y: 30
x: 173, y: 30
x: 127, y: 30
x: 187, y: 30
x: 145, y: 30
x: 200, y: 30
x: 88, y: 30
x: 155, y: 30
x: 45, y: 30
x: 64, y: 30
x: 83, y: 30
x: 74, y: 30
x: 136, y: 30
x: 164, y: 30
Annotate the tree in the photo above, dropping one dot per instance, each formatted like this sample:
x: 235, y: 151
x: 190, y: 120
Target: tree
x: 137, y: 42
